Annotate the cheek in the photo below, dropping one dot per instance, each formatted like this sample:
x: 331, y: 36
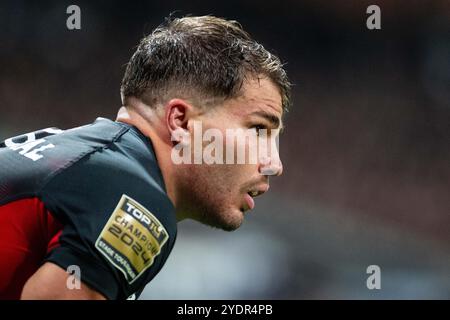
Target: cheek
x: 220, y: 181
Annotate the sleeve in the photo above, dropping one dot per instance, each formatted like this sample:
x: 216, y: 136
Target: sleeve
x: 119, y: 227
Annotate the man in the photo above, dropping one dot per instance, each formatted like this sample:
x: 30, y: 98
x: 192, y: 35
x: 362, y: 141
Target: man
x: 103, y: 200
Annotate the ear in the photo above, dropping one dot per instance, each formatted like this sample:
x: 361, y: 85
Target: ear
x: 178, y: 113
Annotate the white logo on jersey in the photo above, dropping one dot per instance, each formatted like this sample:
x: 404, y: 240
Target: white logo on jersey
x: 32, y: 148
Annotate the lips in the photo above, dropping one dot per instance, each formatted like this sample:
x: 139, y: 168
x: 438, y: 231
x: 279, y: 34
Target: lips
x: 250, y: 202
x: 254, y: 192
x: 258, y: 190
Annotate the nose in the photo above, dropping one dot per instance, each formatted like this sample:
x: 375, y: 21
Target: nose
x: 271, y: 166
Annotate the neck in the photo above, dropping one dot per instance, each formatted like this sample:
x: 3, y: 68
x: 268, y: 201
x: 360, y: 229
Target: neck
x: 149, y: 123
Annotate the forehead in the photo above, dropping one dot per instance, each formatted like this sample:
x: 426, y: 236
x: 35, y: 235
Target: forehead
x: 258, y: 95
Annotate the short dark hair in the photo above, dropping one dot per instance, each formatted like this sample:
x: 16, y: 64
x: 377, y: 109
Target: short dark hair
x: 210, y: 55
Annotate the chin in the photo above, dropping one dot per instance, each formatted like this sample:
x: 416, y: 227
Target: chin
x: 232, y: 226
x: 229, y: 220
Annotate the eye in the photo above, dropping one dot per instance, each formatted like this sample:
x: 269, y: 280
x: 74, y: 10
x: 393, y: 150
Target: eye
x: 258, y: 128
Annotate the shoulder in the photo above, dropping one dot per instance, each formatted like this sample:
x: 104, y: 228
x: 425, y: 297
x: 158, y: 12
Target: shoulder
x: 29, y: 160
x: 99, y: 179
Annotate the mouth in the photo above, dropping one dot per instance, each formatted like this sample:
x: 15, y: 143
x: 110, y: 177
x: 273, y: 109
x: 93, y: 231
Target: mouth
x: 253, y: 193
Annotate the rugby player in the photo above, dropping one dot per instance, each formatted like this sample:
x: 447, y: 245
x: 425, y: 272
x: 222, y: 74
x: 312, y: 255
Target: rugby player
x: 106, y: 197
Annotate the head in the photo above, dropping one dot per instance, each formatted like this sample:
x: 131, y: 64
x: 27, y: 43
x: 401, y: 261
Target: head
x: 191, y: 83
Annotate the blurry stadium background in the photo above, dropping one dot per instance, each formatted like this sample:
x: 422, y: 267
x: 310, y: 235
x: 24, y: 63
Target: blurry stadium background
x: 366, y: 149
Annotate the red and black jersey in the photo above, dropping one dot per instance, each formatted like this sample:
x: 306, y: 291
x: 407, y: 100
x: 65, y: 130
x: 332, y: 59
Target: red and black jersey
x: 91, y: 197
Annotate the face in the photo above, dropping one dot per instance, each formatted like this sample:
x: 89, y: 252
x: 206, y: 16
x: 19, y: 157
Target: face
x: 219, y: 195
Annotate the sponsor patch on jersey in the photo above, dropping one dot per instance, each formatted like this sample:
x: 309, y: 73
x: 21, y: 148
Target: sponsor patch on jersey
x: 132, y: 238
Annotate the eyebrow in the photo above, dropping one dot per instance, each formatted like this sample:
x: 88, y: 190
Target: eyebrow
x: 274, y: 120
